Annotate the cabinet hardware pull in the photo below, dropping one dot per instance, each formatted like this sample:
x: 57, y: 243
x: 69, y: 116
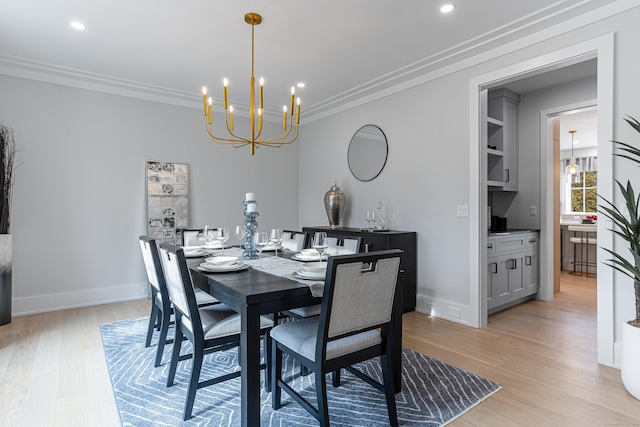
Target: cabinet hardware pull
x: 532, y: 240
x: 490, y: 246
x: 507, y: 171
x: 494, y: 266
x: 527, y: 260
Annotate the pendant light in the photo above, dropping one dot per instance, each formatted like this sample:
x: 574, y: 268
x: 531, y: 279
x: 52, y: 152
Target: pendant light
x: 573, y: 170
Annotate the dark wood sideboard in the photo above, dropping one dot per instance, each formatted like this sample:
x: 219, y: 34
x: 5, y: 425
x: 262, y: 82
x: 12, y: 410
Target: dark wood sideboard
x: 380, y: 240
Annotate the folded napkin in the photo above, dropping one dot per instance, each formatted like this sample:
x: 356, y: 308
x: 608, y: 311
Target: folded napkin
x: 192, y: 250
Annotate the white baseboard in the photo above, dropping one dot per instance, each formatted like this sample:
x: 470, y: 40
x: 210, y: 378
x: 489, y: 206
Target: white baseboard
x: 84, y: 298
x: 444, y: 309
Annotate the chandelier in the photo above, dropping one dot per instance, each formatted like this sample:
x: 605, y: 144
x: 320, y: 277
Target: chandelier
x: 573, y: 170
x: 256, y: 112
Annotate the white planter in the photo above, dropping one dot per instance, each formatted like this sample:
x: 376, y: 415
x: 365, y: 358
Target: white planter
x: 631, y: 359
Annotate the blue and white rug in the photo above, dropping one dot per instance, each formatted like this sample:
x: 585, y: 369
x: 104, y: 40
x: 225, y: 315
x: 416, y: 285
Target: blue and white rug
x: 433, y: 393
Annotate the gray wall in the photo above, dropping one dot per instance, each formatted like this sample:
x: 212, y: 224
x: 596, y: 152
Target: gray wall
x: 79, y: 197
x: 427, y: 173
x: 516, y: 206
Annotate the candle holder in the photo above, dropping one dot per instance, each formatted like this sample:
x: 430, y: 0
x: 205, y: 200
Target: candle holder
x: 251, y: 225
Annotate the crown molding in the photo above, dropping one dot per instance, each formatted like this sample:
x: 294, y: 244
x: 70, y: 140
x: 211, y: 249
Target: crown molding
x: 433, y: 67
x: 452, y: 62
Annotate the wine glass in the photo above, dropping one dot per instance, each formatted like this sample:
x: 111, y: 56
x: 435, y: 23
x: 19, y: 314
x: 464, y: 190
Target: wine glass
x: 371, y: 218
x: 222, y: 236
x: 320, y: 243
x: 209, y: 234
x: 240, y: 232
x: 261, y: 241
x: 275, y: 237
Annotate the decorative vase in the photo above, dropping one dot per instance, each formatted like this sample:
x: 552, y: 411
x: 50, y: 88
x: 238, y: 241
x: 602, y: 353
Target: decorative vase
x: 6, y: 255
x: 334, y: 201
x: 630, y: 369
x: 251, y: 225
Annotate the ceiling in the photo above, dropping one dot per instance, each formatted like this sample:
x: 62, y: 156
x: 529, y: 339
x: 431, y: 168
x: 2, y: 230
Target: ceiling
x: 341, y: 50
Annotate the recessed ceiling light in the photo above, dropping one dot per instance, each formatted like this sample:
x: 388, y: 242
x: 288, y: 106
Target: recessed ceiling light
x: 301, y: 84
x: 447, y: 8
x: 77, y: 25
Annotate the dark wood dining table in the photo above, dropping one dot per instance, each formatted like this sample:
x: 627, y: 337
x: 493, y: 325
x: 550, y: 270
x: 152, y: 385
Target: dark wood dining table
x: 252, y: 293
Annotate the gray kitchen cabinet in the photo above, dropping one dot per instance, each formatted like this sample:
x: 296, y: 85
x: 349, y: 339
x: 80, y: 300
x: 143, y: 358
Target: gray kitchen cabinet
x: 492, y: 273
x: 512, y: 269
x: 502, y: 140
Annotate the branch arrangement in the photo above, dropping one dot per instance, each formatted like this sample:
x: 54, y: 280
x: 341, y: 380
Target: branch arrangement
x: 7, y: 163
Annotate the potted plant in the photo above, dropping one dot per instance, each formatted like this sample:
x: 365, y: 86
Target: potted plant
x: 7, y: 165
x: 627, y: 226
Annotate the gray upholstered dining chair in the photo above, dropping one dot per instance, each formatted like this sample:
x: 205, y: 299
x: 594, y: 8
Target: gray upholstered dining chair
x: 161, y: 308
x: 343, y: 246
x: 209, y: 329
x: 336, y: 247
x: 294, y: 241
x: 190, y: 237
x: 354, y: 325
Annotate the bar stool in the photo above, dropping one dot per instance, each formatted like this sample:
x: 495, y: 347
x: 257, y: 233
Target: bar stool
x: 585, y: 236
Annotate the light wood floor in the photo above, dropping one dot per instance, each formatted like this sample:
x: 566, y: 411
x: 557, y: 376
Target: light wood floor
x: 53, y: 373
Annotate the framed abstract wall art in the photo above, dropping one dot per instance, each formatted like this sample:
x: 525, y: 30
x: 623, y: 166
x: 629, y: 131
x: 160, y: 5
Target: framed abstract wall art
x: 167, y: 200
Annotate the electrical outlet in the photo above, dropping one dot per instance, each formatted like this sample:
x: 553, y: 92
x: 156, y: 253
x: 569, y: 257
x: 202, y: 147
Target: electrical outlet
x: 533, y: 210
x: 463, y: 211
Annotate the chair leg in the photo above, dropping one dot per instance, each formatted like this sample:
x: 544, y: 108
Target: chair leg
x: 276, y: 375
x: 152, y: 323
x: 198, y: 355
x: 266, y: 344
x: 175, y: 354
x: 321, y: 393
x: 162, y: 340
x: 335, y: 378
x: 385, y: 362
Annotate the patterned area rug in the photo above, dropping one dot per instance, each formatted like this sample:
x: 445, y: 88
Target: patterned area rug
x: 433, y: 393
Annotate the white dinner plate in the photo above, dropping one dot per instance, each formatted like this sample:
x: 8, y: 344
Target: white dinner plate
x: 214, y: 246
x: 211, y: 268
x: 304, y: 257
x: 315, y: 267
x: 309, y: 276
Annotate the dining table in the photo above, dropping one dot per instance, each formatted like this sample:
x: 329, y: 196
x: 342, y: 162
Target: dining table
x: 263, y: 289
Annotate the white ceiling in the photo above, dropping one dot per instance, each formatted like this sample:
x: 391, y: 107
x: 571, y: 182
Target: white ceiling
x: 341, y: 49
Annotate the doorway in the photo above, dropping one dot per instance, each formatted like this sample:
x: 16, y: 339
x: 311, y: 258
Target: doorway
x: 575, y: 196
x: 601, y: 48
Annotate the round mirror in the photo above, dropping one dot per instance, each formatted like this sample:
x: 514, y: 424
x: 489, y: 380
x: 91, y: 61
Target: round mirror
x: 367, y: 152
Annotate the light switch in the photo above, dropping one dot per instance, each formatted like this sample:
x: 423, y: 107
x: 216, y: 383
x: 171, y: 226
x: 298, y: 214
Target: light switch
x: 463, y: 211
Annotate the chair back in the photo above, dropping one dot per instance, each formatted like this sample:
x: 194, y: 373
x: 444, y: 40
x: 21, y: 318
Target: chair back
x: 359, y: 294
x: 343, y: 247
x: 179, y: 285
x: 190, y: 237
x: 294, y: 240
x: 152, y: 264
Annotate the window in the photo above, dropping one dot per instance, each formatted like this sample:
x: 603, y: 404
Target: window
x: 584, y: 196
